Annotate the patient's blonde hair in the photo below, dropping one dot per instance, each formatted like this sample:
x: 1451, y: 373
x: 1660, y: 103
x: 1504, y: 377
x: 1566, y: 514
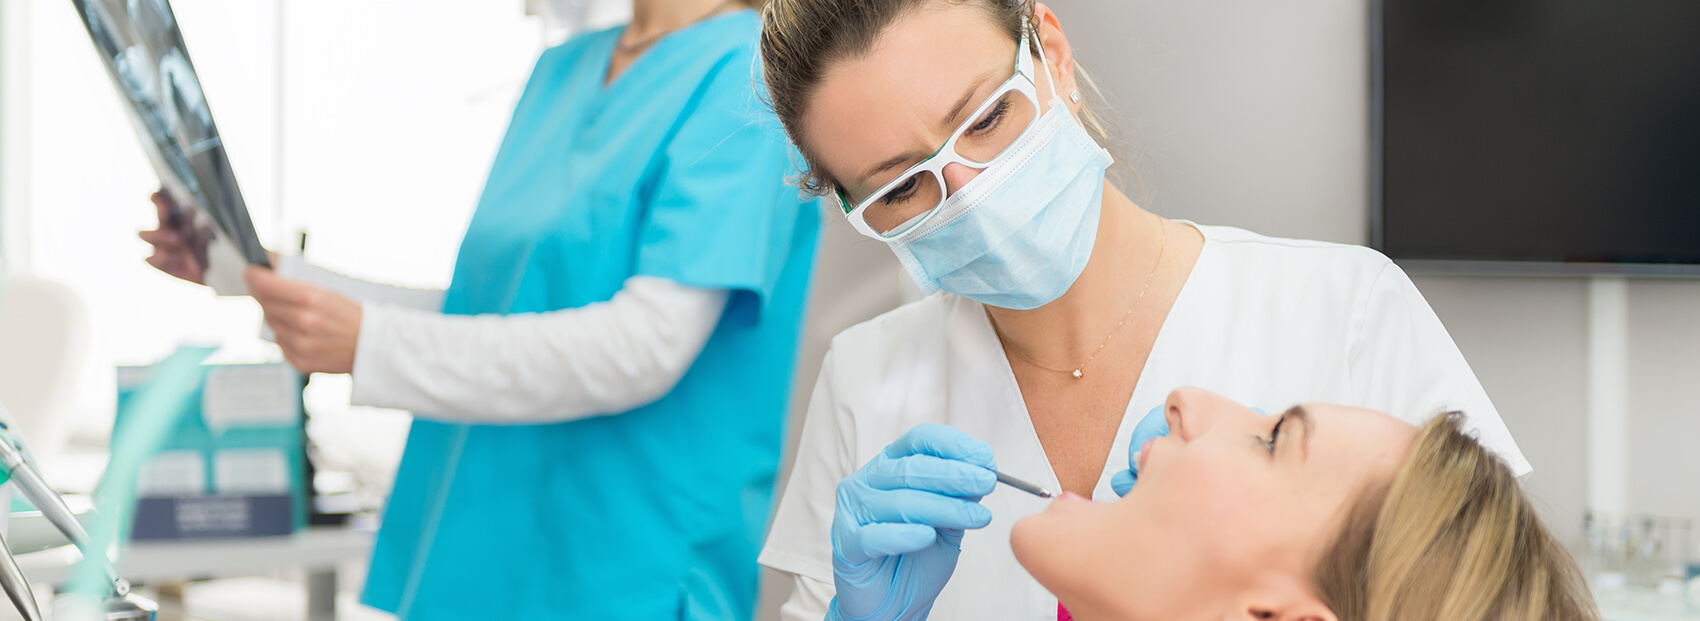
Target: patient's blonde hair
x: 1452, y: 537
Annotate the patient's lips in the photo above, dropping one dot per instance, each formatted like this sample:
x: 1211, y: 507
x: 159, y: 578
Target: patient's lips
x: 1072, y: 497
x: 1144, y: 453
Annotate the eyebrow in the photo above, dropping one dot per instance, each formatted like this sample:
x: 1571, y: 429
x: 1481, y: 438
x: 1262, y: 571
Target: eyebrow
x: 950, y: 120
x: 1298, y: 413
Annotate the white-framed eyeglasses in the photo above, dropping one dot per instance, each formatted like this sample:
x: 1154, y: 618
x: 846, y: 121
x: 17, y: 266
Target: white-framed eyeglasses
x: 914, y: 196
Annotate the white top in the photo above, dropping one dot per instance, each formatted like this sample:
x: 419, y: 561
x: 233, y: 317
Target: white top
x: 1267, y: 322
x: 598, y: 359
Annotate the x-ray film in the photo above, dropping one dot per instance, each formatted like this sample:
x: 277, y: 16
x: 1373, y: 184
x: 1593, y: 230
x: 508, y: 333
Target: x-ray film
x: 142, y: 48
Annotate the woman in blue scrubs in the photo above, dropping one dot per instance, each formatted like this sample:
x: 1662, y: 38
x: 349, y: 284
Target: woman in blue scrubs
x: 560, y: 466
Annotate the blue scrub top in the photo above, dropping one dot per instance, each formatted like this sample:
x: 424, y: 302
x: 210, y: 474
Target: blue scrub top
x: 676, y: 171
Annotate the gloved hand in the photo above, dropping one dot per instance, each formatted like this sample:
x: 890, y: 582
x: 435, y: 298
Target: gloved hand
x: 898, y: 526
x: 1154, y: 425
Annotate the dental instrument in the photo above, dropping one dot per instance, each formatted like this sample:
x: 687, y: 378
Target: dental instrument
x: 1023, y: 485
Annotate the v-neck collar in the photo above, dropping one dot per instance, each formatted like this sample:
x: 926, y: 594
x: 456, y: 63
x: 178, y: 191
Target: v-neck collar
x: 981, y: 329
x: 605, y: 87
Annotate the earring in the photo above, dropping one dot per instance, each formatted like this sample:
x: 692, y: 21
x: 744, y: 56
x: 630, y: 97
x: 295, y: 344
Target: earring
x: 1074, y: 97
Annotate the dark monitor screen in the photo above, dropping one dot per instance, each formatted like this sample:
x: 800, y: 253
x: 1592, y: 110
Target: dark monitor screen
x: 1554, y: 131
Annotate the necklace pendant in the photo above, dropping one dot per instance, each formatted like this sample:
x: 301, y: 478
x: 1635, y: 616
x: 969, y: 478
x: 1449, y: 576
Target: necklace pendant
x: 1078, y: 374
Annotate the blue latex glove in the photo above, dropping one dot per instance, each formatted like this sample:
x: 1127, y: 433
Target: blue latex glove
x: 1154, y: 425
x: 898, y: 526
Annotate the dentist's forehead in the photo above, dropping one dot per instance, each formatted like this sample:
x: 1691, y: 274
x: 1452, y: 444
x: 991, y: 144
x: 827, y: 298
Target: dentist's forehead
x: 895, y: 98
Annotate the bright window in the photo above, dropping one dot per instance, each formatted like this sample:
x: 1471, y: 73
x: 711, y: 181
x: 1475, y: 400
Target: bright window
x: 369, y: 124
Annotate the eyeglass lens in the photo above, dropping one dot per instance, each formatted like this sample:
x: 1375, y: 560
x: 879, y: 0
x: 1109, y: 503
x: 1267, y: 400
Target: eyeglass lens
x: 982, y: 140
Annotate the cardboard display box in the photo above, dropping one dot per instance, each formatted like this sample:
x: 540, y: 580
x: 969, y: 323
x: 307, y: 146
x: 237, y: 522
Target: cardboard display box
x: 233, y: 466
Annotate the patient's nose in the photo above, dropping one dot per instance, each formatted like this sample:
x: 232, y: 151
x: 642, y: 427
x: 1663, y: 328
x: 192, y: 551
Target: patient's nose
x: 1193, y: 412
x: 1184, y: 410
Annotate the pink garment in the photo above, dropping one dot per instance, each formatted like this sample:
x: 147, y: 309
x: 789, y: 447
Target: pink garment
x: 1062, y: 613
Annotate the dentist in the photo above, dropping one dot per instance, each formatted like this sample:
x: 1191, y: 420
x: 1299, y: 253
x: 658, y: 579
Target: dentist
x: 956, y: 133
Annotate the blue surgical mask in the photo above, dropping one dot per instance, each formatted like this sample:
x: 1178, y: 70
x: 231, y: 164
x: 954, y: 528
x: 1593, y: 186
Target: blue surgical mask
x: 1019, y: 234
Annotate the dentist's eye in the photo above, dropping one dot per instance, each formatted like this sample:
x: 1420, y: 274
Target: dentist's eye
x: 902, y: 192
x: 992, y: 118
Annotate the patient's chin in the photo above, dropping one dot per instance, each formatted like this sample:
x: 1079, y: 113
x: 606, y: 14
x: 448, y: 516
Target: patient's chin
x: 1041, y: 542
x: 1028, y: 540
x: 1042, y: 546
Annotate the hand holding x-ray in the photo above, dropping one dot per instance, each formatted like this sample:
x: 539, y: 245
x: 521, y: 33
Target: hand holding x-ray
x: 179, y: 246
x: 139, y: 43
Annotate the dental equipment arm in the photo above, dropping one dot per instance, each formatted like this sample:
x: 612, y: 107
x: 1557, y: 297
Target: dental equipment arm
x: 35, y: 488
x: 17, y: 587
x: 18, y: 466
x: 11, y: 575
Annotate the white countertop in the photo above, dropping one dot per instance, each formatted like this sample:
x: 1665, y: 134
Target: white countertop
x: 162, y: 561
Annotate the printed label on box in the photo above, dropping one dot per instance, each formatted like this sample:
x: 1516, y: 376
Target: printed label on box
x: 213, y: 515
x: 250, y: 395
x: 173, y: 473
x: 250, y: 471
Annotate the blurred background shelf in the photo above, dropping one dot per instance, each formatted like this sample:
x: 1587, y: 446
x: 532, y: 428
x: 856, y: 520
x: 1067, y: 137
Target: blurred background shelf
x: 315, y: 556
x: 1647, y: 604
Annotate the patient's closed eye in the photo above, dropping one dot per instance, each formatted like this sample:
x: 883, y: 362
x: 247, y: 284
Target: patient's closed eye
x: 1275, y: 433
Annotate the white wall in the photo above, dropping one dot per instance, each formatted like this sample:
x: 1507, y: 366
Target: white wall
x: 1664, y: 371
x: 1254, y: 114
x: 1246, y: 113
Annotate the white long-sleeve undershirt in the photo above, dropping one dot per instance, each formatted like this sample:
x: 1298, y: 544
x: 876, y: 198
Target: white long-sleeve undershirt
x: 598, y: 359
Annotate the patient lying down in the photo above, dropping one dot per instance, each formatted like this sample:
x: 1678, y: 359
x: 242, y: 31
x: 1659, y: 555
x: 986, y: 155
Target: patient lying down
x: 1325, y: 512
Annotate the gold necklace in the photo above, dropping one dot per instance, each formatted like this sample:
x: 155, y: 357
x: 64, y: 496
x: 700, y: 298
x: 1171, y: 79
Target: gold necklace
x: 627, y: 48
x: 1080, y: 371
